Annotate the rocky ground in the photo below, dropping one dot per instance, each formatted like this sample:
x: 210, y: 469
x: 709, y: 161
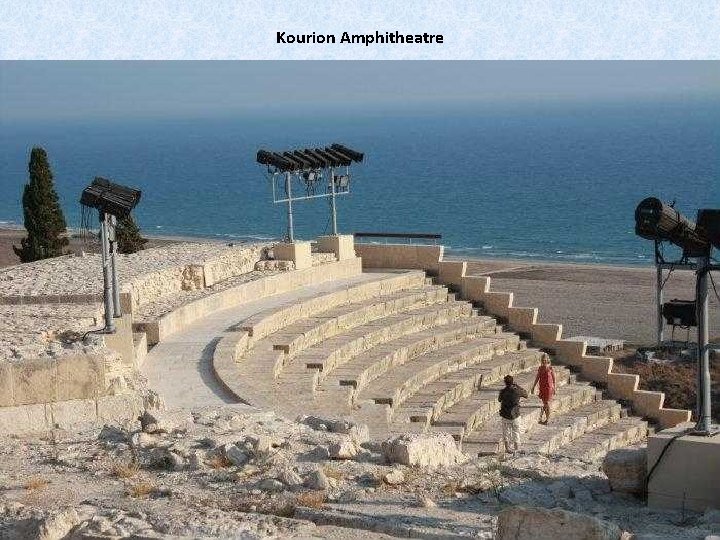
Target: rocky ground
x: 234, y: 472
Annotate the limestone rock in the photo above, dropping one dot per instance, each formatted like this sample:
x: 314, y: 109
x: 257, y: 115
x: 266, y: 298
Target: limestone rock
x: 236, y: 455
x: 394, y: 477
x: 524, y: 523
x: 317, y: 480
x: 360, y: 433
x: 272, y: 485
x: 166, y: 421
x: 290, y: 478
x: 422, y: 450
x: 54, y: 526
x: 344, y: 449
x: 626, y: 469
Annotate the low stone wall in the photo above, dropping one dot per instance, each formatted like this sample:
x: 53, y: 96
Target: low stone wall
x: 63, y: 378
x: 402, y: 256
x: 71, y: 413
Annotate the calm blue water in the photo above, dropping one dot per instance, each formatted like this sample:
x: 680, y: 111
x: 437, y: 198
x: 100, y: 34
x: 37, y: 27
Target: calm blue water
x: 545, y: 183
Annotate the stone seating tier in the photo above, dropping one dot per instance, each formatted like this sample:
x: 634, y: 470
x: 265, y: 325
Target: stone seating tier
x: 403, y: 355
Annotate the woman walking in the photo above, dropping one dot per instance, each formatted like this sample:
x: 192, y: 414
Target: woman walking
x: 545, y: 379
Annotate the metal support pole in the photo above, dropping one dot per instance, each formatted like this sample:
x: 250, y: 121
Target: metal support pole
x: 288, y: 191
x: 107, y: 279
x: 113, y: 263
x: 704, y: 412
x: 332, y: 201
x: 659, y: 302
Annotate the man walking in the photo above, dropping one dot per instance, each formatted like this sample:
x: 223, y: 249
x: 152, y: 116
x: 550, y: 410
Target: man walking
x: 509, y: 399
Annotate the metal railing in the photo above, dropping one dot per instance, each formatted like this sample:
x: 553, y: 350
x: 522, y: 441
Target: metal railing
x: 405, y: 236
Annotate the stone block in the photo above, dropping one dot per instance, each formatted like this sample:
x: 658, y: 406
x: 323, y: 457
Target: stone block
x: 80, y: 376
x: 668, y: 418
x: 622, y: 385
x: 626, y: 469
x: 522, y: 319
x: 343, y: 246
x: 72, y: 413
x: 684, y: 479
x: 23, y: 419
x: 596, y: 368
x: 647, y: 402
x: 571, y: 352
x: 525, y: 523
x: 498, y: 303
x: 298, y: 252
x: 422, y: 450
x: 474, y: 288
x: 34, y: 381
x: 451, y: 272
x: 546, y: 334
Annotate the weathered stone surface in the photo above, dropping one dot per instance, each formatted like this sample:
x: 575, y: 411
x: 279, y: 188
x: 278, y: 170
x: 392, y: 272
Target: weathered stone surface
x: 524, y: 523
x: 236, y: 455
x: 344, y: 449
x: 358, y: 432
x: 394, y: 478
x: 422, y: 450
x: 53, y: 526
x: 166, y: 421
x: 626, y: 469
x: 317, y: 480
x: 271, y: 485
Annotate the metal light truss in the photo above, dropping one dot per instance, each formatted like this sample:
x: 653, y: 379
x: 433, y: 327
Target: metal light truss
x: 309, y: 167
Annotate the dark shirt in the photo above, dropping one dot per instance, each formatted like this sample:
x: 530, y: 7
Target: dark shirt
x: 509, y: 399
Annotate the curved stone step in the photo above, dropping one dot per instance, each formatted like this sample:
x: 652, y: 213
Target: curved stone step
x: 301, y: 376
x: 341, y: 387
x: 368, y: 367
x: 338, y: 350
x: 566, y: 427
x: 595, y: 444
x: 575, y: 411
x: 428, y: 404
x: 367, y: 286
x: 310, y: 331
x: 465, y: 417
x: 404, y: 381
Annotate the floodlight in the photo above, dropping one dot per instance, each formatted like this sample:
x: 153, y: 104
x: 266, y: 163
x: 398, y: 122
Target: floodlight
x: 655, y: 220
x: 307, y: 165
x: 708, y: 221
x: 110, y: 198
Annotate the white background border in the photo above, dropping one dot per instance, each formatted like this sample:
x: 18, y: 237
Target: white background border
x: 246, y: 29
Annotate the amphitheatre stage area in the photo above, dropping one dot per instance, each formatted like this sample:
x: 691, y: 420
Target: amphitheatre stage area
x: 314, y: 389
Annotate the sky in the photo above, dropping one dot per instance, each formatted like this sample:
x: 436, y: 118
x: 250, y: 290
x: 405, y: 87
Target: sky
x: 119, y: 89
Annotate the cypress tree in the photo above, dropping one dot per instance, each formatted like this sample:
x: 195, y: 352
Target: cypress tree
x: 44, y: 220
x: 127, y: 236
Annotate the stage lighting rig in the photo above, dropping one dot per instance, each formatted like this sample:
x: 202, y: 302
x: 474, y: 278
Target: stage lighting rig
x: 112, y: 201
x: 659, y: 222
x: 309, y: 167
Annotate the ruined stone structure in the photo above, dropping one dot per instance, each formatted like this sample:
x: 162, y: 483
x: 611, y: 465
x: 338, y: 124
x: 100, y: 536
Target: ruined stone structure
x: 396, y: 338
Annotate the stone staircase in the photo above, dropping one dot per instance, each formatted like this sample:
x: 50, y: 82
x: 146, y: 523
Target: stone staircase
x: 403, y: 354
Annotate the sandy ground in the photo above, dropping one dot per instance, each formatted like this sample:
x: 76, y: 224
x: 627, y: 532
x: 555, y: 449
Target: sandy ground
x: 603, y: 301
x: 593, y: 300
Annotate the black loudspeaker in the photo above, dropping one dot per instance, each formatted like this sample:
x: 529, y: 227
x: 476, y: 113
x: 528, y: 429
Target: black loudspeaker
x: 680, y: 313
x: 708, y: 220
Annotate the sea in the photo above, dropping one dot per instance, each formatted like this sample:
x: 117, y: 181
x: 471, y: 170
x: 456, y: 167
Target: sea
x: 540, y: 182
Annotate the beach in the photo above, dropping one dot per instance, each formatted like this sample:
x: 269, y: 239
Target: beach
x: 590, y: 300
